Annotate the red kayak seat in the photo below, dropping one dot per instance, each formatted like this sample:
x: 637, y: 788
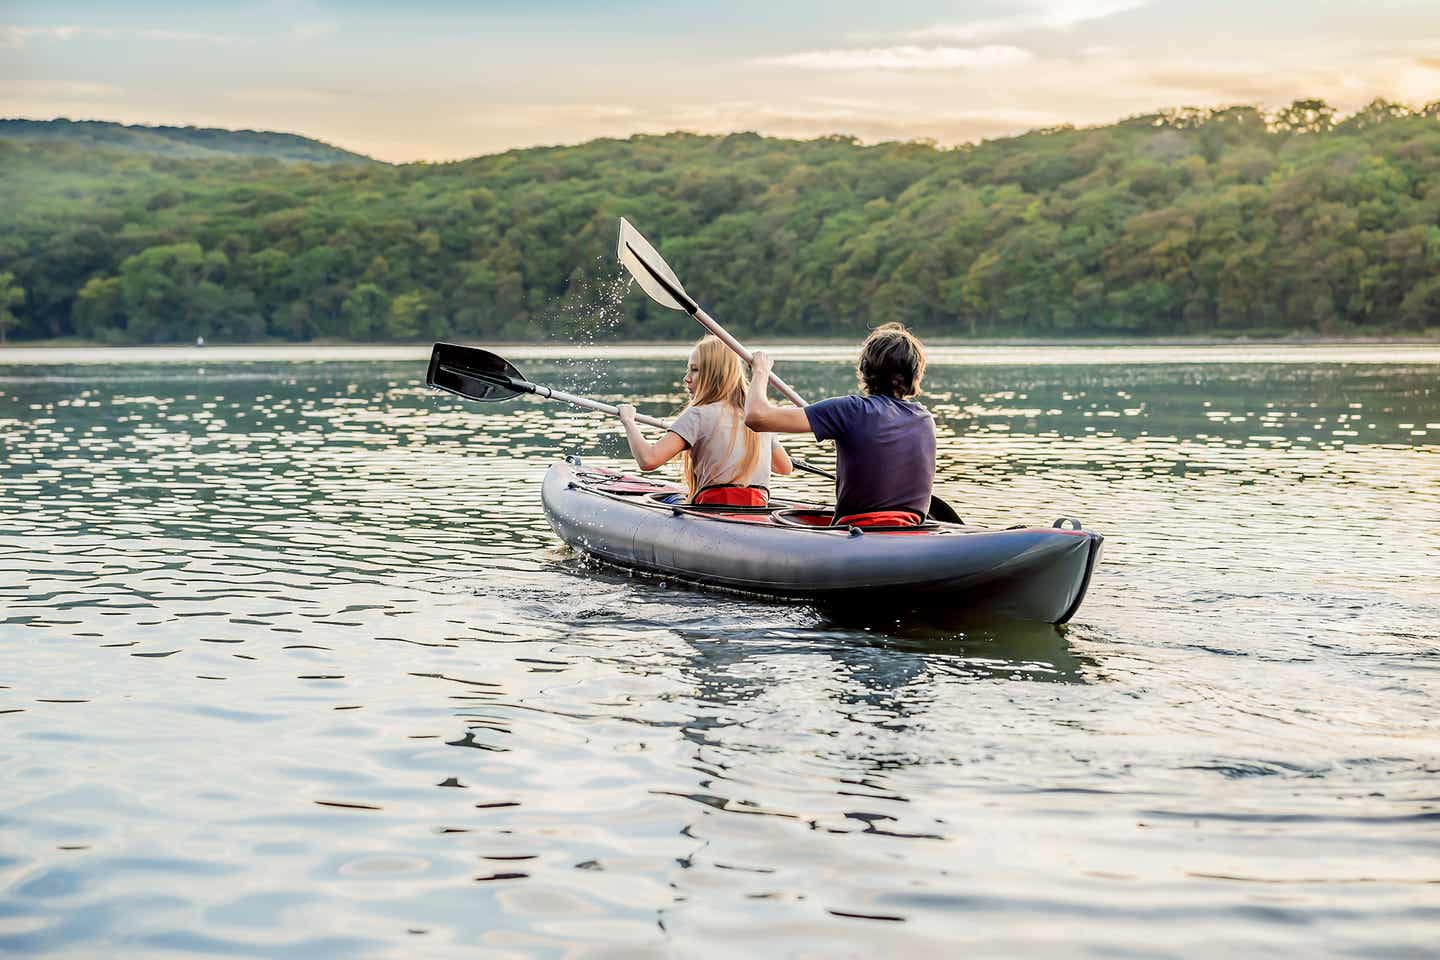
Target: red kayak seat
x: 732, y: 495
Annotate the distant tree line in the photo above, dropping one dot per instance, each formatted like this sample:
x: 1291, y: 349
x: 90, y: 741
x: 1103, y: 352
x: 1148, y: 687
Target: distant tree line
x: 1196, y: 222
x: 179, y: 141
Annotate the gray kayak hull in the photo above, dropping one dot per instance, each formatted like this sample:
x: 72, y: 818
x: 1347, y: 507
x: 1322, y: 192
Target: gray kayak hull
x: 1030, y: 574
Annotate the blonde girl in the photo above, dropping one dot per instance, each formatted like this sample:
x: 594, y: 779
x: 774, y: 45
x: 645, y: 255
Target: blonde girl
x: 725, y: 462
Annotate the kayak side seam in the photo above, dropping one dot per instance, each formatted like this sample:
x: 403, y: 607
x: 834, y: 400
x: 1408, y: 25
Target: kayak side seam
x: 811, y: 593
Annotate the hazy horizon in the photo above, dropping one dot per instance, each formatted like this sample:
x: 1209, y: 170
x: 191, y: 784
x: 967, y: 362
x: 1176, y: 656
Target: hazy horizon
x: 445, y: 80
x: 576, y: 142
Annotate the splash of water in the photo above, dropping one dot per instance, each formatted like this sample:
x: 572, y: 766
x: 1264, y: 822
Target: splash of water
x: 592, y: 312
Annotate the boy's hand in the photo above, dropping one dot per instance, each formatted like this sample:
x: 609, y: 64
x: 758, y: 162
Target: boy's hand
x: 627, y: 414
x: 761, y: 364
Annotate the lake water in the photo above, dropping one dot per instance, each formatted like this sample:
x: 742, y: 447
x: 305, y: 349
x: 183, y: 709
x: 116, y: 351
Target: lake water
x: 292, y: 665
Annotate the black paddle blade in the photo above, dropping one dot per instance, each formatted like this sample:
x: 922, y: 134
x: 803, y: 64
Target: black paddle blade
x: 942, y: 511
x: 472, y: 373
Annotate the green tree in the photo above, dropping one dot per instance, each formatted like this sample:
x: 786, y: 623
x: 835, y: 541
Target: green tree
x: 1305, y: 116
x: 1420, y: 309
x: 159, y: 288
x: 366, y: 312
x: 11, y: 295
x: 1191, y: 220
x: 407, y: 313
x: 99, y: 308
x: 1377, y: 112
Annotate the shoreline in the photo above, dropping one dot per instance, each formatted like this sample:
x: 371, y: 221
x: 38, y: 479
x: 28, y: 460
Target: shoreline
x: 1030, y: 353
x: 1428, y: 340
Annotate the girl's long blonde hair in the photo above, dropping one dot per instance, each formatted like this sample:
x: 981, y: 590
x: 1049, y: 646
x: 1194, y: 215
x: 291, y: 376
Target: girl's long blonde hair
x: 720, y: 378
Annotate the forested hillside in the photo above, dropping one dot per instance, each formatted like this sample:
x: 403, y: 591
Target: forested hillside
x: 1191, y: 222
x: 179, y: 141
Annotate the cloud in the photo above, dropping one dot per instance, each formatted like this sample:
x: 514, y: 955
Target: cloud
x: 313, y: 30
x: 1199, y: 82
x: 1041, y: 15
x: 283, y: 96
x: 1416, y: 82
x: 14, y: 37
x: 904, y: 58
x: 60, y: 90
x: 184, y: 36
x: 18, y: 36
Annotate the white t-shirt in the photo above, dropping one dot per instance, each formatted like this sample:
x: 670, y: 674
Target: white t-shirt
x: 715, y: 433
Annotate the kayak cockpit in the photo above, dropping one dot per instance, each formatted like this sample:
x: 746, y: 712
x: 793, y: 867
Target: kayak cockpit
x: 783, y: 513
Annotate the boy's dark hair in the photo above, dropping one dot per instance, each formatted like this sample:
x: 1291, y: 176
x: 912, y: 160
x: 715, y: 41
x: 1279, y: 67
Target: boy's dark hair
x: 892, y: 361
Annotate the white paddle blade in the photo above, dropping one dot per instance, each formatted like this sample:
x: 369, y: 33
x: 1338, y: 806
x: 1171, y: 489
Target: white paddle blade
x: 651, y: 271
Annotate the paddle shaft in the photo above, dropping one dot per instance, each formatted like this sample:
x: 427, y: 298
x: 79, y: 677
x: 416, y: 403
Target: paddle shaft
x: 723, y: 335
x: 713, y: 325
x: 540, y: 390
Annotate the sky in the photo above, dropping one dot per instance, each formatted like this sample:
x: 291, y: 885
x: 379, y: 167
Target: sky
x: 446, y: 79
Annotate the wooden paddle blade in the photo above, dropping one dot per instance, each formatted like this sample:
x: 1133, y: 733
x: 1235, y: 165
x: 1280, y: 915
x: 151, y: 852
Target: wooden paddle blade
x: 472, y: 373
x: 651, y: 271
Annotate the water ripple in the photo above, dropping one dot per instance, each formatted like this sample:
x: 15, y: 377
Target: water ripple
x: 291, y: 664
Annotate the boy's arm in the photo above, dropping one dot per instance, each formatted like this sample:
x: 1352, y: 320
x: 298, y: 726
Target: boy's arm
x: 761, y: 415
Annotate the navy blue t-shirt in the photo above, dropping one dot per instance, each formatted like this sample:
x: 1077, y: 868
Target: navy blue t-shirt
x: 885, y: 452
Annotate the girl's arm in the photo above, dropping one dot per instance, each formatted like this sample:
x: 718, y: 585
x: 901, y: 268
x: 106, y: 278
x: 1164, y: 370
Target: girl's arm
x: 649, y: 456
x: 779, y: 459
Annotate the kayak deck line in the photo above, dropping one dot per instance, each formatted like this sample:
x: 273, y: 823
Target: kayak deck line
x: 752, y: 516
x: 1030, y: 573
x: 775, y: 511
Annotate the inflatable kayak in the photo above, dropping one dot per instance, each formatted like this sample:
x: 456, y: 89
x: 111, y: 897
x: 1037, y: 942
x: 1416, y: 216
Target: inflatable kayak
x: 790, y: 550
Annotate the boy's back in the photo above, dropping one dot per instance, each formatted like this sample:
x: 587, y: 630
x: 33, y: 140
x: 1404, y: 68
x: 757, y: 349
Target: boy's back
x: 885, y: 450
x: 885, y: 441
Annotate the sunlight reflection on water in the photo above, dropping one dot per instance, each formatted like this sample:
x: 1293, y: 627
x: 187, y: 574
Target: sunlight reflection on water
x: 290, y: 662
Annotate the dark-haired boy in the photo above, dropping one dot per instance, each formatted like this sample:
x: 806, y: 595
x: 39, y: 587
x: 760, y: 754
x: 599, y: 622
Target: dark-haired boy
x: 884, y: 441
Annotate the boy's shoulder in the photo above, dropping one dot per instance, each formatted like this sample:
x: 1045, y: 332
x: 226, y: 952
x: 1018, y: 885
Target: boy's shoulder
x: 862, y: 403
x: 848, y: 399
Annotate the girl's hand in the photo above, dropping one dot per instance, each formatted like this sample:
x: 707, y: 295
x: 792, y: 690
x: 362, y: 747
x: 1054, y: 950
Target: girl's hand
x: 627, y: 414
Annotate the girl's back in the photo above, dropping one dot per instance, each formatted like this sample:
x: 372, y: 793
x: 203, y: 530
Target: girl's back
x: 710, y: 434
x: 718, y: 451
